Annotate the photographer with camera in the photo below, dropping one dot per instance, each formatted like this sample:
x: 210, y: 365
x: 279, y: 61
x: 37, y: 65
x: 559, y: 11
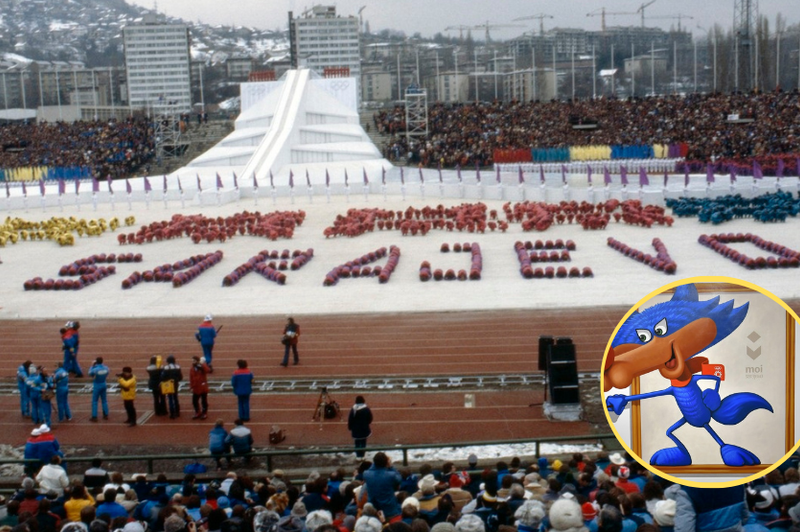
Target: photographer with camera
x: 127, y: 386
x: 291, y: 335
x: 99, y: 374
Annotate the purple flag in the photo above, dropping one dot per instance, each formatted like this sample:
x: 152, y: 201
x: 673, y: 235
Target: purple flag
x: 255, y: 182
x: 606, y: 176
x: 521, y: 175
x: 8, y: 190
x: 235, y: 182
x: 421, y: 179
x: 439, y: 169
x: 366, y: 179
x: 757, y: 172
x: 95, y: 185
x: 61, y: 187
x: 219, y: 182
x: 383, y: 175
x: 180, y: 187
x: 666, y: 178
x: 77, y: 185
x: 308, y: 180
x: 686, y: 175
x: 643, y: 179
x: 127, y: 185
x: 709, y: 173
x: 24, y: 190
x: 147, y: 187
x: 165, y: 184
x: 733, y: 174
x: 623, y: 175
x: 199, y: 186
x: 41, y: 187
x: 498, y: 175
x: 458, y: 171
x: 779, y: 170
x: 327, y: 178
x: 589, y: 174
x: 291, y: 178
x: 271, y: 183
x: 564, y: 174
x: 478, y: 172
x: 110, y: 188
x: 402, y: 176
x: 541, y: 174
x: 346, y: 180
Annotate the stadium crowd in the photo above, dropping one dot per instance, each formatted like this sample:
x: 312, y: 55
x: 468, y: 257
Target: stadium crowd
x: 607, y: 494
x: 468, y: 133
x: 115, y: 148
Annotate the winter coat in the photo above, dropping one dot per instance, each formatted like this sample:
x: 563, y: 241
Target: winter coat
x: 216, y: 440
x: 206, y: 333
x: 198, y: 379
x: 358, y: 421
x: 294, y: 329
x: 721, y: 509
x: 99, y: 374
x: 154, y: 377
x: 61, y: 380
x: 127, y: 388
x: 172, y: 372
x: 240, y: 439
x: 43, y: 447
x: 382, y: 482
x: 242, y: 381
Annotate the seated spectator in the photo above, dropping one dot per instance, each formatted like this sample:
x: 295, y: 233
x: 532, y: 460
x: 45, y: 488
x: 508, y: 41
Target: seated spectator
x: 110, y: 506
x: 78, y: 500
x: 96, y: 476
x: 47, y: 520
x: 52, y: 477
x: 240, y: 440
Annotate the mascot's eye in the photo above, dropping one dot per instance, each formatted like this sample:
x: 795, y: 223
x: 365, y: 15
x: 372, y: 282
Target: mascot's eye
x: 661, y: 327
x: 644, y: 335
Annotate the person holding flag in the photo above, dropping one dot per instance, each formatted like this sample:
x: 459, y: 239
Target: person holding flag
x: 206, y: 334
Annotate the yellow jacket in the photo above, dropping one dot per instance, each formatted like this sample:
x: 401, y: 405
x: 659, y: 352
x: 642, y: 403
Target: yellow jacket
x: 127, y: 388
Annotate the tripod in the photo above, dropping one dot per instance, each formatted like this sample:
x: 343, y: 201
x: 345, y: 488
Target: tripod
x: 323, y: 402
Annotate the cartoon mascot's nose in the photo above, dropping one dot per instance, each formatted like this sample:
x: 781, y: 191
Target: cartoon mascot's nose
x: 609, y: 358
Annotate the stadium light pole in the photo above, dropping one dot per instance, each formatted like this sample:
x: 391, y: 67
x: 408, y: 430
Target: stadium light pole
x: 438, y: 98
x: 594, y: 75
x: 495, y: 74
x: 41, y: 91
x: 477, y: 90
x: 652, y: 68
x: 533, y: 72
x: 633, y: 72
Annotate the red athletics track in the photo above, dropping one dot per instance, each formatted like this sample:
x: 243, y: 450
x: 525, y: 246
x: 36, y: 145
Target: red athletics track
x: 369, y: 345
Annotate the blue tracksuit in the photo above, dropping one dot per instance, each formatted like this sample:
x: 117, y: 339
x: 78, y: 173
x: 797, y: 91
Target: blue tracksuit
x: 242, y: 382
x: 99, y: 375
x: 34, y: 384
x: 205, y: 335
x: 24, y: 398
x: 61, y: 382
x: 46, y: 405
x: 70, y: 342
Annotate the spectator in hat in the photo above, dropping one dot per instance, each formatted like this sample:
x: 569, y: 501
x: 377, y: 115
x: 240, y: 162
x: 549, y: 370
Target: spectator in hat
x: 291, y: 337
x: 206, y: 333
x: 61, y: 384
x: 381, y: 481
x: 127, y: 386
x: 99, y: 375
x: 762, y: 504
x: 198, y: 381
x: 566, y: 516
x: 664, y: 515
x: 367, y: 523
x: 318, y: 518
x: 171, y: 376
x: 529, y: 516
x: 427, y: 497
x: 52, y: 477
x: 470, y: 523
x: 623, y: 474
x: 42, y: 445
x: 70, y: 342
x: 358, y: 422
x: 154, y: 383
x: 242, y: 383
x: 589, y: 512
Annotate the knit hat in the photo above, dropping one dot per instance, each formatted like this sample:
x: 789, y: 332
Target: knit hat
x: 566, y: 516
x: 623, y: 472
x: 769, y: 500
x: 133, y: 526
x: 75, y: 526
x: 589, y: 511
x: 664, y: 512
x: 368, y: 524
x: 411, y: 501
x: 427, y: 484
x: 291, y: 524
x: 470, y: 523
x: 174, y: 523
x: 318, y: 518
x: 617, y: 458
x: 530, y: 514
x: 209, y: 317
x: 557, y: 465
x: 299, y: 510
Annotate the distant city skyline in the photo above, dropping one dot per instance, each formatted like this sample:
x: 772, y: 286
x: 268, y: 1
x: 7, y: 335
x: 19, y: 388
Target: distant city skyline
x: 429, y: 18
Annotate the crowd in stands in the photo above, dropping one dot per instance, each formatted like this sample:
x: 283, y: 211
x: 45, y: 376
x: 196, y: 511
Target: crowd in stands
x: 607, y: 494
x: 466, y: 134
x: 107, y: 148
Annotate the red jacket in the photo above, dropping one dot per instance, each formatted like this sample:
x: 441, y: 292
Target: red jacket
x: 198, y: 379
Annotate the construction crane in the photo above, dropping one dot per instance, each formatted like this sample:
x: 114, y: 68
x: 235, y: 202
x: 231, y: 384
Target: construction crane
x: 679, y: 16
x: 641, y: 9
x: 540, y: 17
x: 361, y: 19
x: 488, y: 26
x: 460, y: 29
x: 602, y: 14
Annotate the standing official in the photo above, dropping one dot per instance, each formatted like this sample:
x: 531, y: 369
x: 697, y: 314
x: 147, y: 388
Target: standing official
x: 154, y: 383
x: 242, y: 382
x: 358, y: 422
x: 61, y: 382
x: 127, y: 386
x: 99, y: 374
x: 291, y: 336
x: 206, y: 333
x: 198, y: 381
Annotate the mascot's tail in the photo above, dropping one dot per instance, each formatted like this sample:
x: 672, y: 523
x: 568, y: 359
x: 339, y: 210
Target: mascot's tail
x: 737, y: 406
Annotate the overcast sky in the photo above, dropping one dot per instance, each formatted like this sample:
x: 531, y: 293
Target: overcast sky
x: 431, y: 16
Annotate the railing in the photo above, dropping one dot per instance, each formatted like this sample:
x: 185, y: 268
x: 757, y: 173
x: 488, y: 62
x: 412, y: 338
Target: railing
x: 271, y: 455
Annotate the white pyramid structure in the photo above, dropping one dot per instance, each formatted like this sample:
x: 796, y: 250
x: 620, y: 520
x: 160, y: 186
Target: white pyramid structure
x: 299, y: 125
